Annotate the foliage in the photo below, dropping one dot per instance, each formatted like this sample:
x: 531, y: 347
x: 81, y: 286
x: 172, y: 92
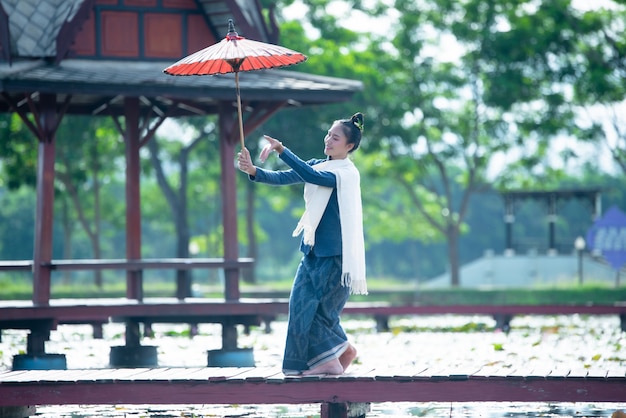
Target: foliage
x: 19, y: 155
x: 462, y: 99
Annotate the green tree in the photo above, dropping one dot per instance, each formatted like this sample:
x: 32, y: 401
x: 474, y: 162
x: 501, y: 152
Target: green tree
x: 340, y: 52
x: 557, y: 71
x: 170, y: 152
x: 18, y: 150
x: 87, y: 150
x: 600, y: 83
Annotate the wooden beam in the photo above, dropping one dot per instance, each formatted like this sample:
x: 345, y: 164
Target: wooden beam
x: 268, y: 386
x: 13, y: 105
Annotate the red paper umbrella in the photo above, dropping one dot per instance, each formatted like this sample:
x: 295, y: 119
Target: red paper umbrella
x: 233, y: 54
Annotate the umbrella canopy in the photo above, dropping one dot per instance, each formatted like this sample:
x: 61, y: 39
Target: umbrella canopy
x: 233, y: 54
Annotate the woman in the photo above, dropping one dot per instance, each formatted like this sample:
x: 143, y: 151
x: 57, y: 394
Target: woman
x: 333, y: 265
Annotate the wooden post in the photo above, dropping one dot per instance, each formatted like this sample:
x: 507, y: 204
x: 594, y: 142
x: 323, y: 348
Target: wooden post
x: 134, y: 281
x: 229, y: 217
x: 344, y: 409
x: 134, y: 286
x: 229, y: 202
x: 47, y: 124
x: 334, y: 410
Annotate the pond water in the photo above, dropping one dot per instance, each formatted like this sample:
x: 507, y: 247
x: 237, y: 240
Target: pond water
x: 574, y: 342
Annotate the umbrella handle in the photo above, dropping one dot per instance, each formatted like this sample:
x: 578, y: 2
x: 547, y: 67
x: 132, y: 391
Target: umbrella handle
x: 239, y: 110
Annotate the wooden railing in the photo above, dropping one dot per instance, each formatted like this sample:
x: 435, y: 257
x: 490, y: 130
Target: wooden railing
x: 123, y: 264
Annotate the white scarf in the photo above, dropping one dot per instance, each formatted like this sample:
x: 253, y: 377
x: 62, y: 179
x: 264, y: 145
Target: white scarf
x: 350, y: 215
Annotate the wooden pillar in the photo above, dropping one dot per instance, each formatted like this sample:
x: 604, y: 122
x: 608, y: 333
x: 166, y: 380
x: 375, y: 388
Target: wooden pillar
x: 229, y: 201
x: 134, y: 287
x: 334, y: 410
x: 47, y: 124
x: 229, y: 217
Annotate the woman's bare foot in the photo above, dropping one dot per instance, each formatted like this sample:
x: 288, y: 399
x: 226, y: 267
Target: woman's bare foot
x: 347, y: 357
x: 333, y: 367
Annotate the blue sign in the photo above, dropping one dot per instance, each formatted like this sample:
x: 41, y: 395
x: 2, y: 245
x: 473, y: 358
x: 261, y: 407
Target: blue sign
x: 608, y: 237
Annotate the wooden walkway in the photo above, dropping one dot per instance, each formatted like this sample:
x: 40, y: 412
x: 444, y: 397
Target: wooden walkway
x: 97, y: 312
x: 208, y: 385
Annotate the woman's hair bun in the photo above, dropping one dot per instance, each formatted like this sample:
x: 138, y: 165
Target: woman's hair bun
x: 357, y: 120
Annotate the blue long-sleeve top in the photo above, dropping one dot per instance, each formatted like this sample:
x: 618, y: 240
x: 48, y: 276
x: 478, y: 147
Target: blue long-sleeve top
x: 328, y: 233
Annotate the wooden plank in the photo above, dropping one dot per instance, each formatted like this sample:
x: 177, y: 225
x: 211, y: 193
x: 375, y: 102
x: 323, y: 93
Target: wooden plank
x: 424, y: 372
x: 183, y: 373
x: 559, y: 372
x: 503, y: 371
x: 157, y: 263
x: 170, y: 310
x: 398, y: 373
x: 278, y: 379
x: 616, y: 372
x: 597, y: 373
x: 578, y: 373
x: 251, y: 373
x: 488, y: 370
x: 224, y: 373
x: 360, y: 372
x: 447, y: 373
x: 539, y: 372
x: 8, y: 374
x: 38, y: 376
x: 160, y: 373
x: 464, y: 373
x: 17, y: 376
x: 213, y: 374
x: 71, y: 375
x: 124, y: 374
x: 515, y: 373
x: 126, y: 391
x: 94, y: 375
x: 262, y: 374
x: 16, y: 265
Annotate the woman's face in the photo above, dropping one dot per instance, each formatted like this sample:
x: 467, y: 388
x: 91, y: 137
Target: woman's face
x: 336, y: 143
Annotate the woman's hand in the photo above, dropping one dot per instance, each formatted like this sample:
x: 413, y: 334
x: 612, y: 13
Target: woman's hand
x: 273, y: 144
x: 244, y: 162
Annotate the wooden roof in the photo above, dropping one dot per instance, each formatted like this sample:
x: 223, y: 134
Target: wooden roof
x: 33, y: 26
x: 97, y: 87
x: 67, y: 48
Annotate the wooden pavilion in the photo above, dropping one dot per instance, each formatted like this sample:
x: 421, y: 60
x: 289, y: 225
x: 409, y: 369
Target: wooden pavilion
x: 106, y: 58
